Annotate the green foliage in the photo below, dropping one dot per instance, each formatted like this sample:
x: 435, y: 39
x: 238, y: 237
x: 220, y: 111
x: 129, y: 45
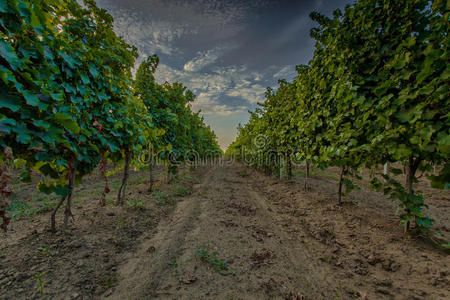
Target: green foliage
x: 45, y: 251
x: 217, y: 263
x: 441, y: 181
x: 69, y: 99
x: 173, y: 262
x: 181, y: 190
x: 20, y: 209
x: 194, y: 179
x: 54, y: 124
x: 411, y: 203
x: 121, y: 223
x: 161, y: 198
x: 110, y: 281
x: 40, y: 278
x: 136, y: 204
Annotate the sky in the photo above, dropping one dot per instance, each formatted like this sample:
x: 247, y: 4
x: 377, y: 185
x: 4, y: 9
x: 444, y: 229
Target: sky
x: 226, y: 51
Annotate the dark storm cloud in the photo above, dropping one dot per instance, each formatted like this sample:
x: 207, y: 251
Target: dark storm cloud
x: 276, y: 34
x: 228, y: 52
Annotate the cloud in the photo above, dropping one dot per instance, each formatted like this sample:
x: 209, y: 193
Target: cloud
x: 208, y: 104
x: 216, y: 90
x: 252, y: 93
x: 287, y: 72
x: 154, y: 25
x: 200, y: 62
x: 205, y: 58
x: 149, y: 36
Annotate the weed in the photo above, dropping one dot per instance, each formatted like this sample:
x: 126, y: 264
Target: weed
x: 217, y: 263
x: 173, y: 262
x: 136, y: 204
x: 244, y: 172
x: 180, y: 190
x: 121, y: 223
x: 45, y: 251
x: 138, y: 179
x: 115, y: 184
x: 40, y: 279
x: 109, y: 201
x: 324, y: 259
x: 98, y: 192
x: 47, y: 205
x: 196, y: 180
x: 109, y: 281
x: 20, y: 209
x: 161, y: 198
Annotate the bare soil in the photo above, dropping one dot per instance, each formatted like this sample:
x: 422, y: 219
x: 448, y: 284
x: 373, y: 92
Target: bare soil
x: 238, y: 235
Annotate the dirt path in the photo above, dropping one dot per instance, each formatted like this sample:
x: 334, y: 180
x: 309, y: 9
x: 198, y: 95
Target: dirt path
x: 224, y: 216
x: 238, y: 235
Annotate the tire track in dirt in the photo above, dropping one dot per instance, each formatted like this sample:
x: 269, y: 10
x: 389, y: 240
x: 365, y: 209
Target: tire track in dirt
x: 145, y: 273
x: 227, y: 216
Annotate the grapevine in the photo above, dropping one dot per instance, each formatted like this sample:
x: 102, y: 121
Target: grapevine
x: 83, y: 105
x: 362, y: 102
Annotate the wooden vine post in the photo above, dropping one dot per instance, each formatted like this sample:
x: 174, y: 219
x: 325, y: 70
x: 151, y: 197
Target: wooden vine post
x: 5, y: 187
x: 126, y: 173
x: 151, y: 179
x: 71, y: 177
